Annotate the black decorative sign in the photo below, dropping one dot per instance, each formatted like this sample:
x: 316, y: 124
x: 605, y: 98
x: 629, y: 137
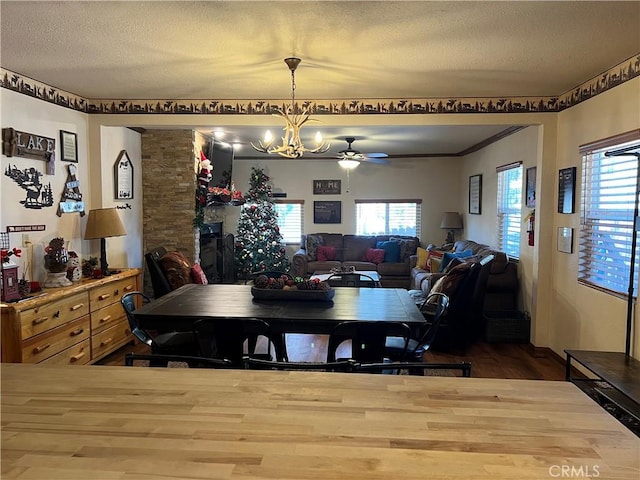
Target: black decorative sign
x: 326, y: 187
x: 37, y: 195
x: 327, y: 212
x: 567, y: 190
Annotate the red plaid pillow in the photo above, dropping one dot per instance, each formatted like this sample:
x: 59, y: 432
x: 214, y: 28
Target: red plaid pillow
x: 374, y: 255
x: 326, y: 254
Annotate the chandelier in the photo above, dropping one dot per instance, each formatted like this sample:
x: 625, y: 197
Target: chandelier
x: 292, y: 146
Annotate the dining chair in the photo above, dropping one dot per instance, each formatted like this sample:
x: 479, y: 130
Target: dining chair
x: 368, y: 339
x: 224, y: 338
x: 159, y: 360
x: 337, y: 366
x: 436, y: 305
x: 413, y: 367
x: 169, y: 343
x: 352, y: 280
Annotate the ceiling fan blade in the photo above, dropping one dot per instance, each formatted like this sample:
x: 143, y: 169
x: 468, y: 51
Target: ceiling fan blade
x: 379, y: 161
x: 376, y: 155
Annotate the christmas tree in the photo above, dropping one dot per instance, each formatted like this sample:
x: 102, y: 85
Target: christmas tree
x: 258, y: 240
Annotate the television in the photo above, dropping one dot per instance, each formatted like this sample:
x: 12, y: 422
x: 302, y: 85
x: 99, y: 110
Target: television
x: 221, y: 156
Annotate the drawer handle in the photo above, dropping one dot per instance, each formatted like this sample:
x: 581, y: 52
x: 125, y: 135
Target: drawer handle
x: 105, y: 319
x: 77, y: 332
x: 128, y: 288
x: 41, y: 348
x: 57, y: 314
x: 106, y: 342
x: 76, y: 307
x: 77, y: 357
x: 104, y: 296
x: 40, y: 320
x: 116, y: 292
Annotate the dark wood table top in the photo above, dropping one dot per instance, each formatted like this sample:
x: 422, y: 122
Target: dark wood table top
x: 615, y: 367
x: 178, y: 309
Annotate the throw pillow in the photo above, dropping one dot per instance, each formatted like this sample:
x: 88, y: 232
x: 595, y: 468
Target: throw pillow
x: 374, y: 255
x: 423, y: 255
x: 311, y: 246
x: 448, y: 256
x: 325, y: 254
x: 449, y: 283
x: 391, y: 251
x: 434, y: 260
x: 177, y: 269
x: 408, y: 247
x: 197, y: 275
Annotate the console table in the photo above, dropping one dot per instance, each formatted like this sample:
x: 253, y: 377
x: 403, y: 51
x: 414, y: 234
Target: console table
x: 617, y: 386
x: 71, y: 325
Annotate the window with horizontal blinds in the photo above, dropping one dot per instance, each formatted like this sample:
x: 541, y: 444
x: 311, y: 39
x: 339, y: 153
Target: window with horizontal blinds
x: 509, y: 208
x: 388, y: 217
x: 606, y: 218
x: 290, y: 219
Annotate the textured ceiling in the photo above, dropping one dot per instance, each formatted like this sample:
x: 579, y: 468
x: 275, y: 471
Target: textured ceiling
x: 386, y: 49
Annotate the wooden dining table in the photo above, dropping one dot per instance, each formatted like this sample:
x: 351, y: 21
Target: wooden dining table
x: 179, y: 309
x: 103, y: 422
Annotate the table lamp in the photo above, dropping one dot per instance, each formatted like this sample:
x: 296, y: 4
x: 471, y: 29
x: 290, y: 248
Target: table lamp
x: 451, y: 221
x: 102, y: 223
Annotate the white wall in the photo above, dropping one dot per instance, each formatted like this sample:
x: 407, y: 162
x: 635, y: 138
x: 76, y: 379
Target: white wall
x: 27, y: 114
x: 585, y: 318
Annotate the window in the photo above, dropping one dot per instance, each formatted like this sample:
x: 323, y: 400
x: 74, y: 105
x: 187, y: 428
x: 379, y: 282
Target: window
x: 388, y: 217
x: 290, y: 219
x: 608, y: 205
x: 509, y: 208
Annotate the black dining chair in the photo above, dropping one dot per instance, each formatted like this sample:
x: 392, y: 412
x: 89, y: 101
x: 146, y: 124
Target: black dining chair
x: 228, y: 338
x: 352, y: 280
x: 368, y: 339
x: 159, y: 360
x: 414, y: 368
x: 170, y: 343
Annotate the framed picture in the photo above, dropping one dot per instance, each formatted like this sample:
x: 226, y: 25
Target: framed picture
x: 123, y: 177
x: 565, y: 239
x: 475, y: 194
x: 327, y: 212
x: 326, y: 187
x: 531, y: 187
x: 68, y: 146
x: 567, y: 190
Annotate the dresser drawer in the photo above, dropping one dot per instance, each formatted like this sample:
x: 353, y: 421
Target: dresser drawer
x: 46, y: 344
x: 104, y: 341
x: 79, y: 354
x: 45, y: 317
x: 106, y: 317
x: 111, y: 293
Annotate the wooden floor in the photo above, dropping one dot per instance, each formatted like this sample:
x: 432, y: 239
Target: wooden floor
x: 487, y: 360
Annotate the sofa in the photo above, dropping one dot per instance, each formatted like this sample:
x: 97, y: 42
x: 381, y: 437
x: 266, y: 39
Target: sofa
x: 502, y: 287
x: 326, y: 251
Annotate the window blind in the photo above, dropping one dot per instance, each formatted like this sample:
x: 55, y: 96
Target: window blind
x: 606, y: 218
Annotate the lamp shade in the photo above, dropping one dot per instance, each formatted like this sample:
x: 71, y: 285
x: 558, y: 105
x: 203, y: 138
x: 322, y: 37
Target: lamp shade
x: 104, y: 222
x: 451, y: 221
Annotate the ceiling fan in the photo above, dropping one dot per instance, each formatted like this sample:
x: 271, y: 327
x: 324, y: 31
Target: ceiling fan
x: 354, y: 156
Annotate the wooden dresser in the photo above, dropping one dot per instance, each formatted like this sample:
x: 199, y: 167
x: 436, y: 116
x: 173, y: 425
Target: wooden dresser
x: 74, y: 325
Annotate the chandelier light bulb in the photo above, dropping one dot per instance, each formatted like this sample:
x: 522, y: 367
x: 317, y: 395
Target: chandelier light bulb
x: 318, y: 138
x: 268, y: 137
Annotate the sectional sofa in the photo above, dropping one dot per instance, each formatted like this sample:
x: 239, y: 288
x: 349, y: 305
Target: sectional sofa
x: 324, y: 251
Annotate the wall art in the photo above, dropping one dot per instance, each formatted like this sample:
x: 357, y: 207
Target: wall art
x: 71, y: 197
x: 327, y: 187
x: 475, y: 194
x: 327, y: 212
x: 29, y: 145
x: 531, y: 187
x: 565, y: 239
x: 567, y: 190
x: 37, y: 195
x: 68, y: 146
x: 123, y: 177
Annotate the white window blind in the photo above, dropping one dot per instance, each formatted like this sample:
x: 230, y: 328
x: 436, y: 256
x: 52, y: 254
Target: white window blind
x: 608, y: 205
x: 290, y: 219
x: 388, y: 217
x: 509, y: 208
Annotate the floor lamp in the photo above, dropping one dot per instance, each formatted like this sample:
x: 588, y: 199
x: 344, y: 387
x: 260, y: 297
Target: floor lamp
x: 102, y: 223
x: 626, y: 152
